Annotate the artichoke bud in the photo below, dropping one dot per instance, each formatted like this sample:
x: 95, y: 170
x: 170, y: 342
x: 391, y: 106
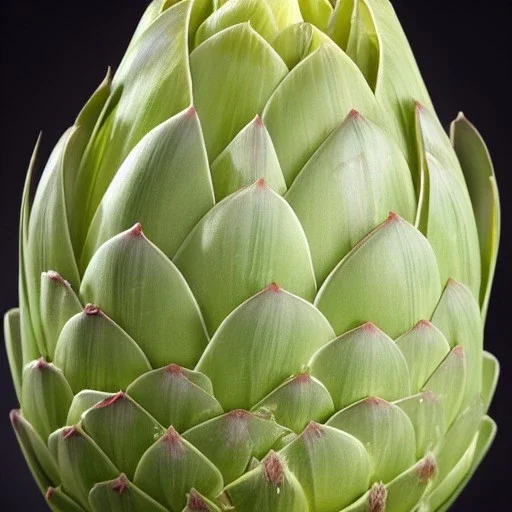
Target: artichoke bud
x: 255, y: 274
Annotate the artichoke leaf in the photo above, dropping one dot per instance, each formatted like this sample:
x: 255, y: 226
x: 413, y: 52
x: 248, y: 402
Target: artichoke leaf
x: 248, y: 157
x: 29, y: 338
x: 59, y: 501
x: 424, y: 348
x: 490, y: 375
x: 332, y: 466
x: 356, y: 177
x: 146, y: 295
x: 363, y: 362
x: 457, y: 316
x: 312, y: 101
x: 390, y: 278
x: 38, y: 458
x: 271, y: 486
x: 171, y: 467
x: 166, y: 176
x: 248, y: 240
x: 81, y: 462
x: 232, y: 440
x: 197, y: 502
x: 478, y: 170
x: 45, y: 397
x: 445, y: 214
x: 235, y: 66
x: 90, y: 349
x: 82, y: 402
x: 265, y: 340
x: 58, y: 304
x: 385, y: 431
x: 135, y: 431
x: 172, y: 397
x: 121, y: 495
x: 14, y: 347
x: 296, y: 42
x: 295, y: 402
x: 316, y: 12
x: 256, y: 12
x: 151, y: 85
x: 286, y: 12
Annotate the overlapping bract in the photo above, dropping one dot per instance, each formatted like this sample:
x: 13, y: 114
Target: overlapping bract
x: 217, y: 308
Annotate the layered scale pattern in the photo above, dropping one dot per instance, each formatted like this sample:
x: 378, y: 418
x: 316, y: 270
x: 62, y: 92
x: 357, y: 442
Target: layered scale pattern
x: 255, y: 273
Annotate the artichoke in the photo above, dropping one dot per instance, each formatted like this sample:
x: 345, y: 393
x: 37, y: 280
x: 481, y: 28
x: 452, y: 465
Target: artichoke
x: 255, y: 274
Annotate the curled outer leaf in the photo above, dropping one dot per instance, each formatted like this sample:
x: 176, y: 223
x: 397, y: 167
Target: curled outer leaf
x: 478, y: 171
x: 13, y: 347
x: 59, y: 501
x: 39, y: 460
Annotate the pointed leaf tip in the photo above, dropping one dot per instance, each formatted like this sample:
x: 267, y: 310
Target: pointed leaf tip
x: 191, y: 111
x: 92, y: 310
x: 41, y: 364
x: 427, y: 469
x: 49, y: 493
x: 261, y: 184
x: 14, y: 416
x: 354, y: 114
x: 68, y: 433
x: 55, y: 276
x: 370, y: 328
x: 273, y: 287
x: 120, y: 486
x: 196, y: 502
x: 174, y: 369
x: 136, y: 230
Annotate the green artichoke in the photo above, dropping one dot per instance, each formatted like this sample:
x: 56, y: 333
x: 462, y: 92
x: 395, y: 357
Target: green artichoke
x: 218, y: 310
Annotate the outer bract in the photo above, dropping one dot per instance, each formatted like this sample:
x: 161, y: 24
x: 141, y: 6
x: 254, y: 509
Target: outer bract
x: 218, y: 310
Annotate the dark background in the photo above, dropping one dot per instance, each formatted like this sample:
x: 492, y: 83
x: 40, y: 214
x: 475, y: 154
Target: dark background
x: 55, y: 53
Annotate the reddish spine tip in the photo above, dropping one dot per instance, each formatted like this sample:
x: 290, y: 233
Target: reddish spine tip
x: 136, y: 229
x: 120, y: 486
x: 174, y: 369
x: 261, y: 183
x: 302, y: 378
x: 424, y: 324
x: 69, y: 432
x: 258, y: 120
x: 49, y: 493
x: 196, y: 503
x: 14, y: 416
x: 111, y: 400
x: 273, y: 469
x: 55, y: 276
x: 370, y: 328
x: 191, y: 111
x: 354, y: 114
x: 92, y: 310
x: 428, y: 469
x: 313, y: 430
x: 41, y: 364
x: 451, y: 282
x: 238, y: 414
x: 458, y: 351
x: 172, y: 437
x: 393, y: 217
x: 375, y: 400
x: 418, y: 106
x: 377, y: 498
x: 273, y: 287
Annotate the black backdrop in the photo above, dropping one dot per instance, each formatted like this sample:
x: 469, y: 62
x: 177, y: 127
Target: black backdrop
x: 54, y: 54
